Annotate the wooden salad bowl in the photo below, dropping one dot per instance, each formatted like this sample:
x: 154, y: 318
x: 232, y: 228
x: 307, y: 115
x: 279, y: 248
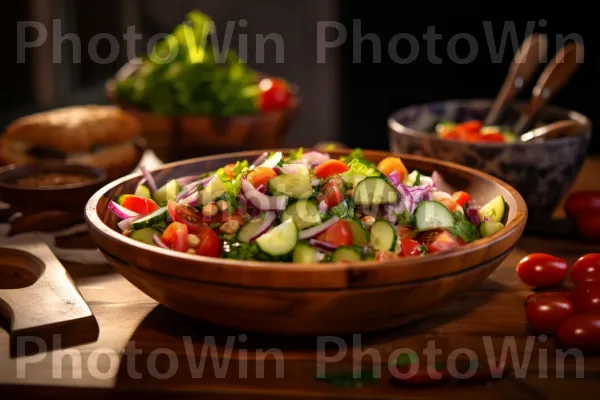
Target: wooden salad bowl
x: 175, y: 138
x: 304, y: 299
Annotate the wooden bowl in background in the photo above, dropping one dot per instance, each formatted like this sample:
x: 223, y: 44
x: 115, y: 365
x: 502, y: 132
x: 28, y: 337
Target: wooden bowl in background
x: 302, y: 299
x: 176, y: 138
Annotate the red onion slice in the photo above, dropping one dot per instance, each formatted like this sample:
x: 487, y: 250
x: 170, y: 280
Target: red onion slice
x: 125, y: 225
x: 121, y: 211
x: 321, y: 245
x: 323, y: 207
x: 149, y: 178
x: 315, y: 182
x: 188, y: 190
x: 394, y: 178
x: 315, y: 158
x: 186, y: 180
x: 262, y: 201
x: 293, y: 169
x: 264, y: 227
x: 315, y: 230
x: 473, y: 216
x: 191, y: 200
x: 441, y: 184
x: 159, y: 242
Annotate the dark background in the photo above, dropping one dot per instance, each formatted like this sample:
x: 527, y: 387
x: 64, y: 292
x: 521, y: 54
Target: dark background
x: 342, y: 99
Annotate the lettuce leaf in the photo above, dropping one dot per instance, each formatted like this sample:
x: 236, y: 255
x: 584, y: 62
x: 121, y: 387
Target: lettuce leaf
x: 357, y: 172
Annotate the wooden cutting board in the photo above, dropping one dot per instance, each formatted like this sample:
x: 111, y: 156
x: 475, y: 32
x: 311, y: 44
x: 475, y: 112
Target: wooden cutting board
x: 45, y: 309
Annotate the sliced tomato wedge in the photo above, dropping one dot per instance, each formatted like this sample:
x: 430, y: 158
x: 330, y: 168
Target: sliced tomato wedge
x: 175, y: 236
x: 331, y: 192
x: 138, y: 204
x: 338, y: 234
x: 186, y: 215
x: 210, y: 244
x: 411, y: 247
x: 439, y: 240
x: 461, y: 198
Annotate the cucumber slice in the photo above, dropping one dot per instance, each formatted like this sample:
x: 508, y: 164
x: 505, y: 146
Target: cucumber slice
x: 280, y: 240
x: 304, y: 253
x: 211, y: 191
x: 305, y: 214
x: 360, y: 234
x: 248, y: 230
x: 346, y: 253
x: 143, y: 191
x: 489, y: 228
x: 383, y: 236
x: 295, y: 186
x: 374, y: 191
x: 145, y: 235
x: 167, y: 192
x: 155, y: 218
x: 432, y: 215
x: 272, y: 160
x: 494, y: 210
x: 343, y: 210
x: 413, y: 179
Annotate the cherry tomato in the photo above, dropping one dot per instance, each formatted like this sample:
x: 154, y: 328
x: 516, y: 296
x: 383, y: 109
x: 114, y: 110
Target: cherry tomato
x: 586, y: 268
x: 404, y: 232
x: 546, y: 314
x: 175, y: 236
x: 582, y: 204
x: 589, y: 226
x: 210, y: 244
x: 391, y: 164
x: 542, y: 270
x: 261, y: 176
x: 411, y: 247
x: 229, y: 170
x: 330, y: 168
x: 586, y: 297
x: 492, y: 137
x: 138, y: 204
x: 539, y: 295
x: 338, y: 234
x: 274, y: 94
x: 438, y: 240
x: 450, y: 135
x: 331, y: 192
x: 418, y: 376
x: 582, y: 332
x: 469, y: 126
x: 189, y: 216
x: 461, y: 198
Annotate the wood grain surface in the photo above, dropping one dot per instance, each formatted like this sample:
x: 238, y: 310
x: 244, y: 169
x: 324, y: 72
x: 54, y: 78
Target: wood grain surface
x: 134, y: 330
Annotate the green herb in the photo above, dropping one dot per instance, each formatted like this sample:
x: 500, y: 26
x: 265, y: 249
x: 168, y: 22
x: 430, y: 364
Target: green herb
x: 349, y: 379
x: 296, y: 154
x: 161, y: 226
x: 357, y: 154
x: 423, y: 249
x: 466, y: 230
x: 214, y: 225
x: 458, y: 216
x: 185, y: 74
x: 404, y: 218
x: 245, y: 251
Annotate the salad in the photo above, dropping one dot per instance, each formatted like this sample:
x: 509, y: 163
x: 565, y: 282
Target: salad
x: 186, y: 74
x: 306, y: 207
x: 473, y: 131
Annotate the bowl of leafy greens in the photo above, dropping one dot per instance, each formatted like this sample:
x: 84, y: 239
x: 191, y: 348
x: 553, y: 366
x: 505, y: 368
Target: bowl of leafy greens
x: 193, y: 98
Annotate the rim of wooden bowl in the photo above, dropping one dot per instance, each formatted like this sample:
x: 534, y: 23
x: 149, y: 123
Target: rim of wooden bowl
x: 293, y: 276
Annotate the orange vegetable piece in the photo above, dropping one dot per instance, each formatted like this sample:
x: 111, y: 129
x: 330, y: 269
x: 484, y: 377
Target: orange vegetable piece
x: 391, y: 164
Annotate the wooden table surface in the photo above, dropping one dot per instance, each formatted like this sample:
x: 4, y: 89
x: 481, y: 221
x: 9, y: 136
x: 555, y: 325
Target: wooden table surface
x: 144, y: 347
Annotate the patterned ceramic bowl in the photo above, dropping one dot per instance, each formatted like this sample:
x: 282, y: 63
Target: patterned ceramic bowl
x: 542, y: 171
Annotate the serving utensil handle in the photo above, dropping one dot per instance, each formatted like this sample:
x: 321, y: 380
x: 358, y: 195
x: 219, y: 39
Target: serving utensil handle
x: 524, y: 65
x: 556, y: 74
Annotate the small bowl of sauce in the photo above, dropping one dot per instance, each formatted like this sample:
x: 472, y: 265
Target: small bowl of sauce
x: 49, y: 186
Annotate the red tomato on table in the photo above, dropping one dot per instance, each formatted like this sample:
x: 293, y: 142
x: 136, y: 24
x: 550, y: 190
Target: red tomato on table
x: 175, y: 236
x: 338, y: 234
x: 542, y: 270
x: 586, y: 268
x: 583, y: 203
x: 547, y: 314
x: 138, y: 204
x: 581, y: 331
x: 540, y: 295
x: 588, y: 226
x: 586, y: 297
